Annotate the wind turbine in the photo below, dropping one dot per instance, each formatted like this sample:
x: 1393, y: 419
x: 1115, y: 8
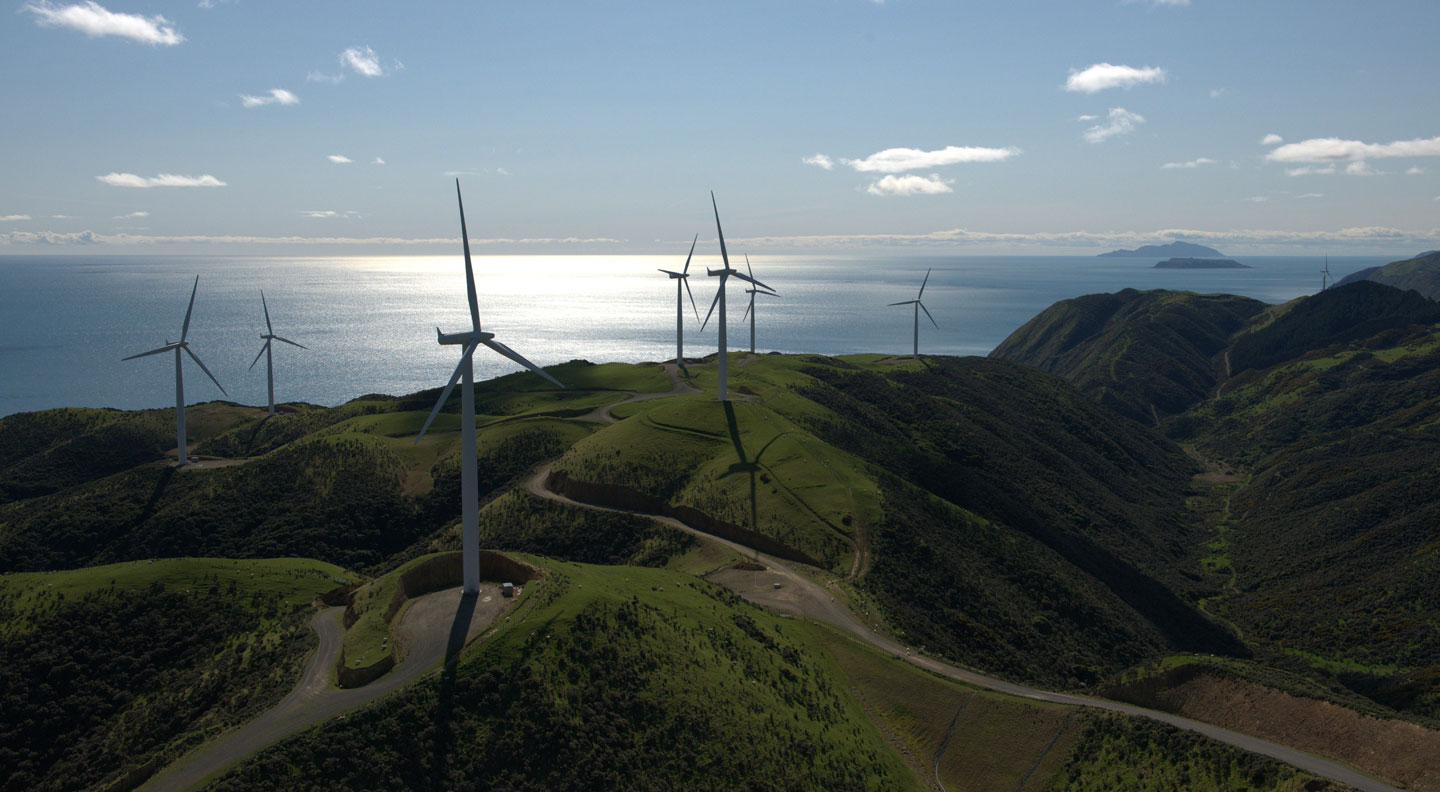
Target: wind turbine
x: 919, y: 306
x: 1325, y: 274
x: 720, y: 295
x: 750, y: 309
x: 470, y: 340
x: 182, y: 344
x: 680, y: 278
x: 269, y: 356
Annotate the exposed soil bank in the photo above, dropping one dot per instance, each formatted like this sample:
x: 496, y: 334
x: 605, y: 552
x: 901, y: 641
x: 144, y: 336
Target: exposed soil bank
x: 1402, y: 753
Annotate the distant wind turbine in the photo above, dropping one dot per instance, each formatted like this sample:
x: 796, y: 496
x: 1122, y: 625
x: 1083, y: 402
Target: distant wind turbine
x: 682, y: 278
x: 269, y: 356
x: 1325, y: 274
x: 180, y: 459
x: 470, y: 340
x: 720, y: 295
x: 750, y: 309
x: 919, y: 306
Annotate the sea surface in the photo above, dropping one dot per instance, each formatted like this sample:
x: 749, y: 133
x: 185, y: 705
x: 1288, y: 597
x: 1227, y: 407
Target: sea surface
x: 369, y: 322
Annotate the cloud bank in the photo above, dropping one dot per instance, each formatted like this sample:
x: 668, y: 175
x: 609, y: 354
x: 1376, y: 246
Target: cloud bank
x: 899, y: 160
x: 1338, y: 150
x: 95, y: 21
x: 163, y: 180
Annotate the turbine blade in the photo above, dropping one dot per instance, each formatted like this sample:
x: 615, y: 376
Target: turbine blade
x: 263, y: 347
x: 518, y: 358
x: 752, y: 280
x: 747, y: 268
x: 713, y: 303
x: 165, y: 348
x: 686, y: 271
x: 723, y: 255
x: 927, y: 313
x: 268, y: 327
x: 671, y: 272
x: 686, y: 281
x: 748, y: 306
x: 922, y: 285
x: 291, y: 343
x: 195, y: 358
x: 907, y: 302
x: 469, y: 271
x: 449, y: 386
x: 184, y: 330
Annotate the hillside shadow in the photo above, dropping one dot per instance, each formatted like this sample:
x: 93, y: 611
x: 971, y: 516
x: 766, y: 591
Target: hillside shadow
x: 443, y: 743
x: 254, y: 433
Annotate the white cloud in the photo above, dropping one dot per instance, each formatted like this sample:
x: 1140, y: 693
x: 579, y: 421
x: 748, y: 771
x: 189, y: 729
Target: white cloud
x: 502, y: 171
x: 62, y: 217
x: 132, y: 216
x: 897, y: 160
x: 1257, y: 199
x: 909, y: 184
x: 278, y: 96
x: 323, y: 214
x: 94, y: 20
x: 1415, y: 170
x: 1362, y: 168
x: 1216, y: 93
x: 1118, y: 122
x: 340, y: 159
x: 322, y: 77
x: 819, y: 161
x: 1106, y: 75
x: 378, y: 161
x: 363, y: 61
x: 1311, y: 195
x: 1271, y: 139
x: 13, y: 218
x: 1311, y: 170
x: 162, y: 180
x: 1087, y: 117
x: 1337, y: 150
x: 1195, y: 163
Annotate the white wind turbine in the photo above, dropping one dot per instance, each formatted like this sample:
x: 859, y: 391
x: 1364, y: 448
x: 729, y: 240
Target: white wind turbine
x: 470, y: 340
x: 1325, y: 274
x: 269, y: 356
x: 182, y: 344
x: 680, y: 278
x: 720, y: 295
x: 919, y: 306
x: 750, y: 309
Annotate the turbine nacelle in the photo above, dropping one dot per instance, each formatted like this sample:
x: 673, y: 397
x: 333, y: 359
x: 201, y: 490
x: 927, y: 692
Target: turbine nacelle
x: 464, y: 338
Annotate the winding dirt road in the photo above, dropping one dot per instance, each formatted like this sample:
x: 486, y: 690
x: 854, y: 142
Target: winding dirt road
x: 430, y: 626
x: 801, y: 596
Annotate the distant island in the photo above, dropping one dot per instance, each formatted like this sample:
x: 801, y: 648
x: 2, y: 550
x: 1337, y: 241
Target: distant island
x: 1200, y: 263
x: 1188, y: 249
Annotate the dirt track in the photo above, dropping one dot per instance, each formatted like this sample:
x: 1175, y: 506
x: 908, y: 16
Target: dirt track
x: 429, y: 627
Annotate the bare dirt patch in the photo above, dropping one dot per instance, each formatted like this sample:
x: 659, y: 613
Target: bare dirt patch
x: 1404, y: 754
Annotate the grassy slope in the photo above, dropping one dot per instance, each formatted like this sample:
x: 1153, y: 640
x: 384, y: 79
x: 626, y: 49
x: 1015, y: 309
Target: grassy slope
x: 1321, y: 549
x: 615, y: 678
x: 107, y: 668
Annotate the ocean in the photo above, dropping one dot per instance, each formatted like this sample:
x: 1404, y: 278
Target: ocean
x: 369, y: 322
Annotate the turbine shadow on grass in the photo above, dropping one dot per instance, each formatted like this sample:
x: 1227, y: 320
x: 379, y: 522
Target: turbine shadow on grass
x: 750, y: 467
x: 444, y: 742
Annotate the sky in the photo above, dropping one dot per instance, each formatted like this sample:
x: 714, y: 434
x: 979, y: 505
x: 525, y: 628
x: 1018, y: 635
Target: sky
x: 1283, y: 127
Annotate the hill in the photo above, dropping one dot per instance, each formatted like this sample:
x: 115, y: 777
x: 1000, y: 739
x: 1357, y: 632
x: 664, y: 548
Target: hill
x: 1168, y: 250
x: 1322, y: 410
x: 1421, y: 274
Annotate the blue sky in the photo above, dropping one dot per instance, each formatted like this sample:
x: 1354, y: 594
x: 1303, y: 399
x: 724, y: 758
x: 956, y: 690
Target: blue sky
x: 1026, y: 126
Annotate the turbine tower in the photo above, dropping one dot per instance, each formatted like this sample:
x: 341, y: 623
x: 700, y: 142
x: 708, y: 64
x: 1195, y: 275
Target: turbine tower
x: 750, y: 309
x: 470, y: 340
x: 1325, y: 274
x: 720, y: 295
x: 269, y: 356
x: 919, y: 306
x: 682, y: 278
x: 182, y: 344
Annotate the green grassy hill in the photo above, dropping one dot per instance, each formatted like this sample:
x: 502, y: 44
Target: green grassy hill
x: 108, y: 668
x: 1323, y: 549
x: 1421, y: 273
